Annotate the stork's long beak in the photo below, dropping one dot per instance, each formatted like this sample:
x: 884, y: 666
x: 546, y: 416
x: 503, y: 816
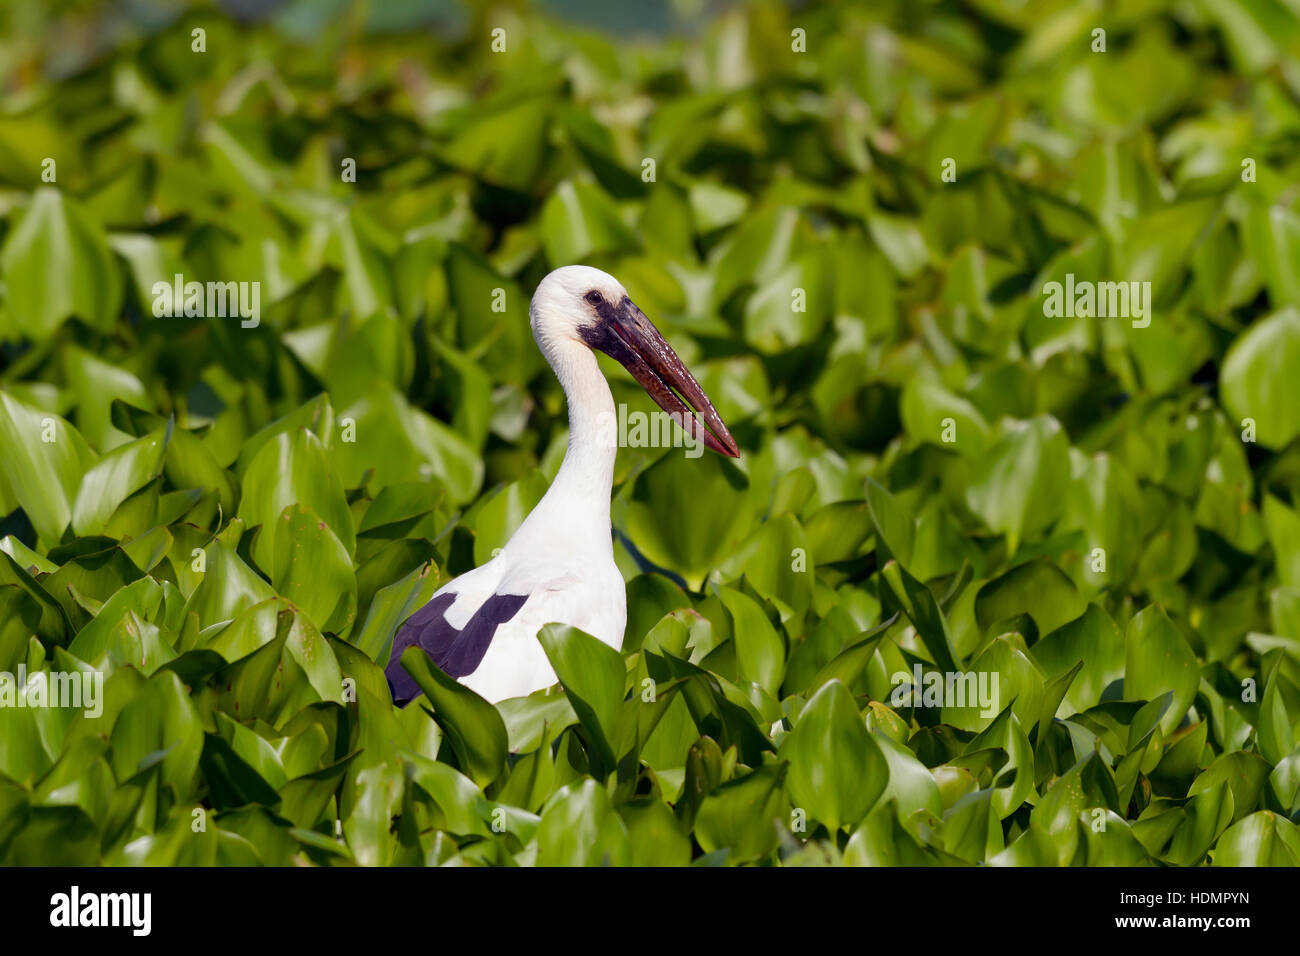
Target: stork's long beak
x: 629, y: 337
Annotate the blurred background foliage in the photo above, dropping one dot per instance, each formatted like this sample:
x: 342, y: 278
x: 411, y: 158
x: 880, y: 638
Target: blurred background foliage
x: 231, y: 522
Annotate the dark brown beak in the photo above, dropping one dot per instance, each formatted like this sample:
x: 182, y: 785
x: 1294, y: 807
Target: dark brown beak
x: 628, y: 336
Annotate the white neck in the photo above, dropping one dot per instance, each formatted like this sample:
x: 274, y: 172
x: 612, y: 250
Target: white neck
x: 574, y: 513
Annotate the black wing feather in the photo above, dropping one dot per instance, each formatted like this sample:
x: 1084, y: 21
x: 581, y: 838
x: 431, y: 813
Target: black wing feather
x: 458, y: 653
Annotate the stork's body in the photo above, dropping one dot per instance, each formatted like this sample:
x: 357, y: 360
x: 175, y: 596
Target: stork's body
x: 558, y: 567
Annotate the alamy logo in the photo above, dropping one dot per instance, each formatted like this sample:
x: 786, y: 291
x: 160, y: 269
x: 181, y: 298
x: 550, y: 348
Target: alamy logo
x: 75, y: 908
x: 221, y: 300
x: 629, y: 429
x: 946, y: 689
x: 83, y: 689
x: 1084, y: 299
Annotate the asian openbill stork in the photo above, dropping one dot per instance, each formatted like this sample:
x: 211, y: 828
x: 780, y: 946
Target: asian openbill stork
x: 558, y: 567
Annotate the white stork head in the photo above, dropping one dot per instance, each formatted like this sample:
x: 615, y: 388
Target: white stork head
x: 579, y: 305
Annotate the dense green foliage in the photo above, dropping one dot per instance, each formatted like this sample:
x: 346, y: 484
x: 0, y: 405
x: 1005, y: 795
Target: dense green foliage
x: 230, y: 522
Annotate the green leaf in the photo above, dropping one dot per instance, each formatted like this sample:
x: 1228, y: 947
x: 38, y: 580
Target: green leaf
x: 57, y: 265
x: 578, y: 220
x: 916, y: 601
x: 292, y: 469
x: 472, y: 725
x: 592, y: 675
x: 836, y: 768
x: 390, y: 609
x: 1258, y: 378
x: 503, y: 146
x: 1037, y: 588
x: 227, y: 586
x: 1283, y: 527
x: 895, y: 529
x: 1261, y: 839
x: 1093, y: 640
x: 760, y: 650
x: 742, y: 816
x: 312, y: 569
x: 927, y: 408
x: 1019, y: 487
x: 160, y: 725
x: 579, y: 827
x: 1158, y: 660
x: 120, y: 473
x: 43, y: 465
x: 705, y: 496
x: 655, y: 837
x: 911, y: 785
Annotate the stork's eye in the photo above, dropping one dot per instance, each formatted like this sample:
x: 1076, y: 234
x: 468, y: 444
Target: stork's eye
x: 594, y: 297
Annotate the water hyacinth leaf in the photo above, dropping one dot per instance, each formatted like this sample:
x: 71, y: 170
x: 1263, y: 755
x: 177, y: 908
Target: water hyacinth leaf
x: 23, y: 755
x: 503, y: 146
x: 303, y: 799
x: 580, y: 827
x: 1159, y: 660
x: 778, y: 561
x: 1283, y: 527
x: 1276, y: 733
x: 910, y: 785
x: 127, y: 637
x: 118, y: 474
x: 295, y: 669
x: 917, y: 601
x: 234, y: 781
x: 160, y: 725
x: 40, y: 614
x: 895, y: 528
x: 1000, y: 675
x: 789, y: 308
x: 227, y: 585
x: 1261, y: 839
x: 654, y: 836
x: 836, y: 768
x: 741, y: 816
x: 579, y: 220
x: 1272, y: 237
x: 902, y: 243
x: 390, y: 609
x: 1257, y: 377
x: 760, y: 650
x: 702, y: 494
x: 25, y: 558
x: 472, y: 725
x: 837, y: 531
x: 932, y: 414
x: 58, y: 265
x: 190, y: 463
x: 312, y: 569
x: 1093, y: 640
x: 591, y: 674
x: 316, y: 415
x: 249, y: 631
x: 93, y: 570
x: 758, y: 248
x: 1206, y: 816
x: 292, y: 469
x: 1037, y: 588
x: 1019, y: 487
x: 43, y: 465
x: 367, y: 827
x: 970, y: 828
x: 848, y: 665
